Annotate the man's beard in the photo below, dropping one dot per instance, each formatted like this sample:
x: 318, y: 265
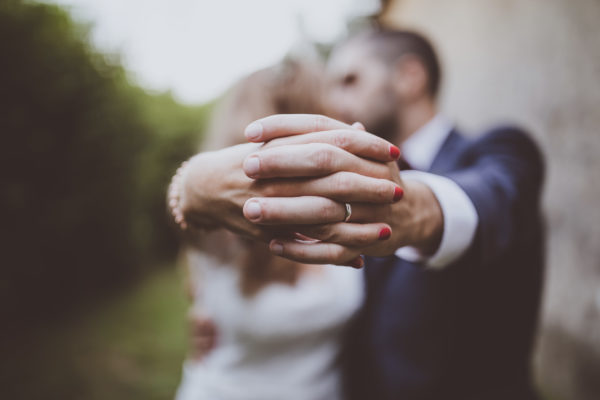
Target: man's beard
x: 384, y: 122
x: 385, y: 126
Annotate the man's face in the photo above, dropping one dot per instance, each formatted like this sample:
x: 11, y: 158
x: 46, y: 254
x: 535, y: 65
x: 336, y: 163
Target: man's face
x: 359, y: 88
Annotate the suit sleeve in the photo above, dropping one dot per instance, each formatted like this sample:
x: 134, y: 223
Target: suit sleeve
x: 502, y: 175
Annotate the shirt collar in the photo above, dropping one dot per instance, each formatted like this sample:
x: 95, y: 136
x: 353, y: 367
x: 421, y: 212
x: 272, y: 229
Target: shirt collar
x: 422, y: 146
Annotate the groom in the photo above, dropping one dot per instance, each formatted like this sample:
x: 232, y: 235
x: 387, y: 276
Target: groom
x: 454, y: 242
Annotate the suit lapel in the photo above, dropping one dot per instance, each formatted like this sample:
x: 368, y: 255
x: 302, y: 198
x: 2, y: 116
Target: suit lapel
x: 448, y: 155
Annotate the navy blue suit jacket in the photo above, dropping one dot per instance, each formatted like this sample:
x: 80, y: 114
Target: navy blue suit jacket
x: 464, y: 332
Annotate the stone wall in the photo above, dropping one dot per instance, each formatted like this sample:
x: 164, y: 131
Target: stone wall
x: 537, y: 63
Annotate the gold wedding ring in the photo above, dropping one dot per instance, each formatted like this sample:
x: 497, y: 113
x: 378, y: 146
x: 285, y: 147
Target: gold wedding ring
x: 348, y: 212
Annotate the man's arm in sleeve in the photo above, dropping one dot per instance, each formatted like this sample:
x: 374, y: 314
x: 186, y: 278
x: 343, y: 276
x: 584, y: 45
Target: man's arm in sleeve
x: 485, y: 202
x: 503, y: 180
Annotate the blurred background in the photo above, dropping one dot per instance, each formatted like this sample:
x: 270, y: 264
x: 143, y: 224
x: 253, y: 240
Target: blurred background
x: 101, y: 100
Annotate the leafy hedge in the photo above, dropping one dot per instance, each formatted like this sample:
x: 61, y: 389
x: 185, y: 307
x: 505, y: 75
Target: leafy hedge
x: 84, y: 163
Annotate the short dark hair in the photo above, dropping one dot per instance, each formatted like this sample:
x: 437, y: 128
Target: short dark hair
x: 391, y: 44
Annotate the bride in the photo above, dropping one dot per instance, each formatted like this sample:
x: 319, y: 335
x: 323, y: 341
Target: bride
x: 278, y: 324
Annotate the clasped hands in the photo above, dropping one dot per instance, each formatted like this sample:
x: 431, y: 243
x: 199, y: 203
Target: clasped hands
x: 289, y: 186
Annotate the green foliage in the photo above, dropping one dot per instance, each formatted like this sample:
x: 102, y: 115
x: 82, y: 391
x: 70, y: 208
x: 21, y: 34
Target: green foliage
x: 176, y: 136
x: 84, y: 163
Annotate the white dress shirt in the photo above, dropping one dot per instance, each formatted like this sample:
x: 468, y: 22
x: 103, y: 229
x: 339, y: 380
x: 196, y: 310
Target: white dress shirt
x: 460, y: 216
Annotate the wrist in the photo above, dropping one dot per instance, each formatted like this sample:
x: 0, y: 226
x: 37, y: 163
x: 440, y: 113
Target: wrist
x: 196, y: 191
x: 427, y: 218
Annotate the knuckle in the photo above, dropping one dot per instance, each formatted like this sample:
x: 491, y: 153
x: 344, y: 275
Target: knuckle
x: 341, y: 139
x: 378, y: 146
x: 321, y: 123
x: 324, y: 157
x: 341, y: 182
x: 383, y: 190
x: 300, y: 252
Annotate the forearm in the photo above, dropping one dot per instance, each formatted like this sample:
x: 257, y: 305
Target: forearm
x: 504, y: 184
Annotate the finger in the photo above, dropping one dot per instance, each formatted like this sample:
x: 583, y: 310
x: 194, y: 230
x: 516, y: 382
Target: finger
x: 304, y: 160
x: 293, y: 210
x: 341, y: 186
x: 280, y: 125
x: 310, y: 210
x: 348, y: 234
x: 355, y: 141
x: 314, y: 253
x: 359, y: 125
x: 367, y: 213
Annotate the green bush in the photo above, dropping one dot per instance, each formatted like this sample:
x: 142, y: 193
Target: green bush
x: 84, y: 164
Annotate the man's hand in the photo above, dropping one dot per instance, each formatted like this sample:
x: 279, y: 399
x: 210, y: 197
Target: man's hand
x: 326, y: 175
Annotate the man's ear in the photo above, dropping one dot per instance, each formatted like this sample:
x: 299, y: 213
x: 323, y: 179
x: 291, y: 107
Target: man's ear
x: 409, y: 78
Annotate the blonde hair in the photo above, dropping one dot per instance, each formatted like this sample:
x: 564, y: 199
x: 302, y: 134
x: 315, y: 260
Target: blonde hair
x: 289, y: 87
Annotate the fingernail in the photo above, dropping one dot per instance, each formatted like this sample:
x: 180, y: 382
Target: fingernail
x: 394, y: 152
x: 385, y: 233
x: 398, y: 193
x: 254, y: 131
x: 252, y: 210
x: 276, y: 247
x: 358, y: 262
x: 251, y: 166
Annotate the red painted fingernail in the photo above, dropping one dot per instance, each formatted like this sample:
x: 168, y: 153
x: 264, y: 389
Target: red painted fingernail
x: 394, y: 152
x: 398, y: 193
x: 385, y: 233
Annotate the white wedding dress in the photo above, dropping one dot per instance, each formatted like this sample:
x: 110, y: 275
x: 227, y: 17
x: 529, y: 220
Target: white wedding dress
x: 282, y: 343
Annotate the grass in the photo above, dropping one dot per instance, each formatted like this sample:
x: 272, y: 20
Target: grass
x: 130, y: 347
